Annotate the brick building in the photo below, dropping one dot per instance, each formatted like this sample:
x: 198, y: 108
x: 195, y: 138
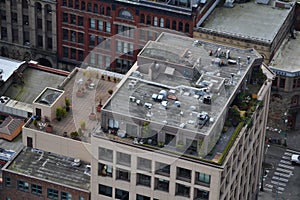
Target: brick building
x: 83, y: 25
x: 36, y: 174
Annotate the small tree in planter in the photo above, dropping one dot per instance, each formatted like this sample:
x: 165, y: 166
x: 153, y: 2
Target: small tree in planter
x: 102, y: 77
x: 108, y: 78
x: 49, y: 128
x: 82, y: 125
x: 59, y: 113
x: 98, y: 108
x: 67, y: 101
x: 74, y: 135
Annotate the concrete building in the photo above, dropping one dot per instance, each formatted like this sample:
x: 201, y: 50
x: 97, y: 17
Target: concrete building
x: 36, y: 174
x: 28, y: 31
x: 87, y: 29
x: 262, y: 26
x: 187, y: 122
x: 285, y: 101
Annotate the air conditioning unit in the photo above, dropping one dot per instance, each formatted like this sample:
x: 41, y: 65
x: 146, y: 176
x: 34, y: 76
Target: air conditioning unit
x: 4, y: 99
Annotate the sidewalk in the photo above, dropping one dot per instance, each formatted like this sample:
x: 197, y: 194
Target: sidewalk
x: 276, y: 137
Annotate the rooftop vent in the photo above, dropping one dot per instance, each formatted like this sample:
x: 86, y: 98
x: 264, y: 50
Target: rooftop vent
x: 148, y: 105
x: 4, y: 100
x: 76, y: 162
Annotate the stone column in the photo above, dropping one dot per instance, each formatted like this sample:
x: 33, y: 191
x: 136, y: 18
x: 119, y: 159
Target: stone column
x: 20, y: 22
x: 8, y: 21
x: 44, y: 22
x: 54, y: 31
x: 32, y: 23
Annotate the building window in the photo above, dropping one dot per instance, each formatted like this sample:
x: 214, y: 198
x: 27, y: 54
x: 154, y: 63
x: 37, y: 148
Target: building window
x: 95, y: 8
x: 294, y: 101
x: 168, y: 23
x: 108, y: 27
x: 66, y: 196
x: 73, y: 54
x: 40, y: 41
x: 125, y: 31
x: 49, y: 26
x: 174, y: 25
x: 282, y: 83
x: 101, y: 10
x: 148, y: 20
x: 123, y: 159
x: 92, y: 40
x: 105, y: 190
x: 92, y: 23
x: 92, y: 58
x: 161, y: 184
x: 123, y: 174
x: 187, y: 28
x: 70, y: 3
x: 182, y: 190
x: 170, y: 139
x: 105, y: 154
x: 80, y: 21
x: 82, y: 5
x: 76, y: 4
x: 80, y: 38
x: 73, y: 36
x: 89, y: 7
x: 100, y: 25
x: 142, y: 18
x: 100, y: 39
x: 66, y: 52
x: 202, y: 178
x: 65, y: 17
x: 142, y: 179
x: 14, y: 17
x: 73, y: 19
x: 121, y: 194
x: 162, y: 23
x: 105, y: 170
x: 155, y: 21
x: 39, y: 23
x: 80, y: 55
x: 180, y: 26
x: 52, y: 193
x: 183, y: 174
x: 7, y: 181
x: 142, y: 197
x: 107, y: 44
x: 64, y: 3
x: 49, y: 43
x: 201, y: 194
x: 36, y: 189
x: 162, y: 169
x: 144, y: 164
x: 108, y: 11
x: 3, y: 33
x: 107, y: 61
x: 81, y: 198
x: 125, y: 14
x: 100, y: 60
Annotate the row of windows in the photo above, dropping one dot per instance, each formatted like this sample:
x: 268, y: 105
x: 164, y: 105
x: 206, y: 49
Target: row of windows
x: 161, y: 22
x: 98, y: 59
x: 87, y: 7
x: 38, y: 190
x: 181, y: 190
x: 146, y: 165
x: 100, y: 25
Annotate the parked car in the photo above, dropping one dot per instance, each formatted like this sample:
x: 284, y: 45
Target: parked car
x: 295, y: 158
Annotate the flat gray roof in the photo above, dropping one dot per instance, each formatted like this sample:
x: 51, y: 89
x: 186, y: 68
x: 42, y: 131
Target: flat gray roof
x: 8, y: 66
x: 249, y: 20
x: 35, y: 81
x: 287, y: 59
x: 214, y: 81
x: 50, y: 167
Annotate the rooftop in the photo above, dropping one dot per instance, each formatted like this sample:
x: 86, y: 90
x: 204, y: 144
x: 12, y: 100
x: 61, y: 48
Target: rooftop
x: 287, y: 59
x: 48, y: 96
x: 51, y: 167
x: 240, y: 19
x: 182, y: 99
x: 8, y: 66
x: 35, y: 81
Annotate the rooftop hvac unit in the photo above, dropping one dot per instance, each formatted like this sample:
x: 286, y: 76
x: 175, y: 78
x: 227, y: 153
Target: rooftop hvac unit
x: 4, y: 100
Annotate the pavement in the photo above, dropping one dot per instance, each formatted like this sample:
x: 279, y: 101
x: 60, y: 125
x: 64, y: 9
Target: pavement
x: 276, y: 137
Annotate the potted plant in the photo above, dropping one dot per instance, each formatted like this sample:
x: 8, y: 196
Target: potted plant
x: 115, y: 79
x: 82, y: 125
x: 59, y: 113
x: 99, y: 106
x: 92, y: 116
x: 108, y: 78
x: 102, y: 77
x: 79, y: 93
x: 49, y: 128
x: 74, y: 135
x: 110, y: 91
x: 35, y: 123
x: 67, y: 101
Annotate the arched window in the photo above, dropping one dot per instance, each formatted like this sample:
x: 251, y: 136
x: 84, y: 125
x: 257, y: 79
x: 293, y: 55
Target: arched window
x: 180, y: 26
x: 25, y: 4
x: 148, y: 20
x: 168, y: 23
x: 162, y: 23
x: 125, y: 14
x: 38, y: 7
x: 89, y: 7
x: 82, y: 5
x: 95, y: 8
x: 108, y: 11
x: 142, y: 18
x: 70, y: 3
x: 174, y: 25
x: 187, y: 28
x: 48, y: 9
x: 155, y: 21
x: 101, y: 10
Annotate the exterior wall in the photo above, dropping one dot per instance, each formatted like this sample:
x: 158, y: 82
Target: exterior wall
x: 57, y: 144
x: 297, y: 16
x: 134, y: 188
x: 22, y: 43
x: 12, y: 191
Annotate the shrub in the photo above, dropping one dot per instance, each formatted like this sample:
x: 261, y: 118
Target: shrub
x: 82, y: 124
x: 110, y: 91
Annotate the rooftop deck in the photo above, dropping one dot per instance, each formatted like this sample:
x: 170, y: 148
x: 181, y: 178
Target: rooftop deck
x: 51, y: 167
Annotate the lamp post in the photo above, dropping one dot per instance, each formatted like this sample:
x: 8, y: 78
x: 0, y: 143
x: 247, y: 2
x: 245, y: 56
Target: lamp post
x: 263, y: 169
x: 285, y: 120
